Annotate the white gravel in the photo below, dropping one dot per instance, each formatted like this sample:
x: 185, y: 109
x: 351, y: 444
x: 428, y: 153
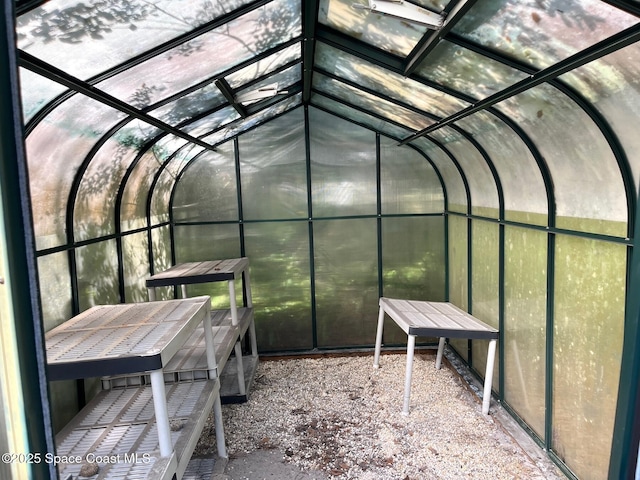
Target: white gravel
x: 342, y: 416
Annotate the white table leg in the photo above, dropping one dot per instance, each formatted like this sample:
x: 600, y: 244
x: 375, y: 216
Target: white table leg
x: 440, y: 352
x: 411, y: 343
x: 241, y: 385
x: 219, y: 426
x: 212, y: 364
x: 183, y: 290
x: 376, y: 356
x: 162, y: 414
x: 488, y: 377
x: 252, y: 338
x: 233, y: 303
x: 152, y: 293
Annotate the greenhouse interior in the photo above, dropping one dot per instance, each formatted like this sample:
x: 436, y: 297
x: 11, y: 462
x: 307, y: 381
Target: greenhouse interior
x: 482, y: 153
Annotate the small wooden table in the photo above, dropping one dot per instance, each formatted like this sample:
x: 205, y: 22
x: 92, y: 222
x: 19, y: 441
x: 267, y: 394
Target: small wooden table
x: 435, y: 319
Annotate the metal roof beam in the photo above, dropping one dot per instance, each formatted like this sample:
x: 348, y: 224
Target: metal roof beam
x: 309, y: 24
x: 609, y: 45
x: 226, y: 90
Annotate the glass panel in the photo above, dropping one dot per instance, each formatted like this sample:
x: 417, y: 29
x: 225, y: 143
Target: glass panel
x: 207, y: 189
x: 97, y: 275
x: 544, y: 113
x: 408, y: 182
x: 484, y: 192
x: 466, y: 71
x: 458, y: 272
x: 391, y: 34
x: 264, y: 66
x: 36, y: 92
x: 346, y: 273
x: 525, y: 195
x: 211, y: 122
x: 587, y: 349
x: 541, y: 33
x: 343, y: 167
x: 484, y: 289
x: 196, y: 243
x: 85, y: 39
x: 94, y: 211
x: 525, y: 318
x: 56, y: 149
x: 280, y: 284
x: 413, y: 263
x: 161, y: 249
x: 55, y: 289
x: 385, y: 82
x: 135, y: 256
x: 273, y: 169
x: 191, y: 105
x: 455, y: 188
x: 284, y: 79
x: 162, y: 190
x: 611, y: 85
x: 242, y: 125
x: 360, y: 117
x: 371, y: 103
x: 207, y: 55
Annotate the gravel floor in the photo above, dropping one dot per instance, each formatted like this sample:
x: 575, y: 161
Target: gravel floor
x: 343, y: 417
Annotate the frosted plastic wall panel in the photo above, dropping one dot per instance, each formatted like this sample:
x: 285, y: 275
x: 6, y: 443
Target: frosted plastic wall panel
x: 207, y: 191
x: 137, y: 189
x: 343, y: 167
x: 273, y: 169
x: 280, y: 284
x: 385, y: 82
x: 35, y: 92
x: 55, y: 289
x: 85, y: 39
x: 346, y: 281
x: 413, y: 264
x: 56, y: 149
x: 466, y: 71
x: 525, y: 331
x: 484, y: 192
x: 372, y: 103
x: 458, y: 271
x: 161, y: 194
x: 587, y: 349
x: 264, y: 66
x: 161, y: 249
x: 390, y: 34
x: 525, y: 194
x: 360, y: 117
x: 611, y: 85
x: 456, y: 190
x: 408, y: 182
x: 242, y: 125
x: 135, y: 253
x: 208, y: 54
x: 94, y: 213
x: 571, y: 154
x: 197, y: 243
x: 97, y: 275
x: 541, y: 33
x: 485, y: 279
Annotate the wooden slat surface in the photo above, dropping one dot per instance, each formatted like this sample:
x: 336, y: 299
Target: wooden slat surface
x: 439, y: 319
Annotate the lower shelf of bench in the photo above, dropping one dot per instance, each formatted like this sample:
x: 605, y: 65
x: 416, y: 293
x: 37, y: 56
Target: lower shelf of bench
x: 118, y: 429
x: 229, y: 391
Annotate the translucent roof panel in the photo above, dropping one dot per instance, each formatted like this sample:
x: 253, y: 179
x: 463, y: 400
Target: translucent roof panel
x: 612, y: 85
x: 264, y: 66
x: 525, y: 194
x: 387, y: 33
x: 190, y: 105
x: 540, y: 33
x: 484, y: 193
x: 56, y: 149
x: 284, y: 79
x: 35, y: 92
x: 372, y: 103
x: 208, y: 54
x: 466, y: 71
x: 87, y: 38
x: 360, y: 117
x: 571, y: 153
x: 385, y: 82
